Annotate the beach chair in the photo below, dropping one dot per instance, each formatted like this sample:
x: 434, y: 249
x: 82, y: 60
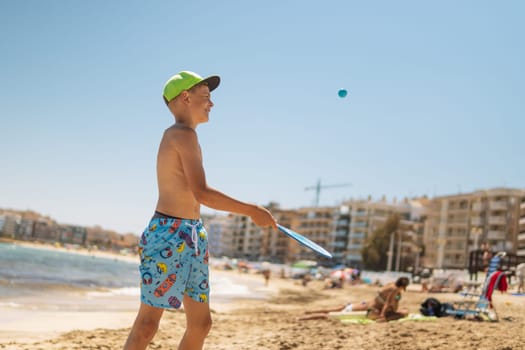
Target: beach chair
x: 495, y: 262
x: 482, y: 307
x: 478, y: 310
x: 495, y: 276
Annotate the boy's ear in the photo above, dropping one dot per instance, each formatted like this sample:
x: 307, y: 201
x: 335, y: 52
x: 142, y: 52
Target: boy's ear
x: 185, y: 96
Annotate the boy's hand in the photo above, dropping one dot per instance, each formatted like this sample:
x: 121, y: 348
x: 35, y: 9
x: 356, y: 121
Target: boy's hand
x: 262, y: 217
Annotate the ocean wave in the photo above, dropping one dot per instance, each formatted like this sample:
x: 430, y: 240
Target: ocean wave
x: 223, y: 286
x: 10, y: 304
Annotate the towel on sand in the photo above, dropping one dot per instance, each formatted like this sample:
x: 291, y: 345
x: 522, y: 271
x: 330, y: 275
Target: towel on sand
x: 360, y: 318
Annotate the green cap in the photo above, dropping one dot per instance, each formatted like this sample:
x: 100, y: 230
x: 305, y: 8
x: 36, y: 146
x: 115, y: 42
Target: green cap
x: 185, y: 80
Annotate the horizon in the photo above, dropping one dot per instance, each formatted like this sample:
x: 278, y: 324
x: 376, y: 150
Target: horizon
x: 435, y: 101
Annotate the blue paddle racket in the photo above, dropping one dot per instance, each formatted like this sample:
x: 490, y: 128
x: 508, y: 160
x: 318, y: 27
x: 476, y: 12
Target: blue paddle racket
x: 305, y: 241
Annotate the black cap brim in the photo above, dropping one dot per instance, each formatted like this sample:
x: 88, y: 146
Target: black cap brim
x: 212, y: 82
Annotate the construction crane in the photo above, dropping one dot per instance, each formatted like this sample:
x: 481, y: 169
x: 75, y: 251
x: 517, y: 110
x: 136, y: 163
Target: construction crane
x: 318, y: 188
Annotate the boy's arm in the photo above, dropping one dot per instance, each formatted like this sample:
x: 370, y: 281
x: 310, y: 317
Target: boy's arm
x: 187, y: 145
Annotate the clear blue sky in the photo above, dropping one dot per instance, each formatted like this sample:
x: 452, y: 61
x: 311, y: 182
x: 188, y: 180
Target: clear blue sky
x: 435, y: 105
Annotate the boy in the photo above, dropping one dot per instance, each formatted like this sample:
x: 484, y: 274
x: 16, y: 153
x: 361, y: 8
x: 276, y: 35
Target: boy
x: 173, y: 248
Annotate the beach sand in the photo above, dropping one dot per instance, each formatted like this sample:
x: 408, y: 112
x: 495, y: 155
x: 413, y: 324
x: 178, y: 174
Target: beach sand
x: 272, y: 324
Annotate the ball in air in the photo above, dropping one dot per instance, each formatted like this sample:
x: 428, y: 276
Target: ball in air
x: 342, y: 93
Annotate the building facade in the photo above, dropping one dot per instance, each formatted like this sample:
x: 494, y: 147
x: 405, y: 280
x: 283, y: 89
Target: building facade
x: 367, y: 216
x: 244, y: 239
x: 72, y: 234
x: 218, y: 228
x: 317, y: 224
x: 342, y: 230
x: 9, y: 224
x: 275, y: 246
x: 520, y: 241
x: 459, y: 224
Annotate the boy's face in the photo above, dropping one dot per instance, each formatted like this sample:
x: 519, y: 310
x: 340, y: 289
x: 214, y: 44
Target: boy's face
x: 200, y: 103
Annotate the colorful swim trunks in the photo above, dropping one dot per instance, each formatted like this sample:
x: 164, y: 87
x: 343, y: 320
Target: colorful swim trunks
x: 173, y: 261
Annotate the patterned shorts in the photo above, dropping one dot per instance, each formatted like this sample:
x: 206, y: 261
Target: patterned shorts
x: 173, y: 262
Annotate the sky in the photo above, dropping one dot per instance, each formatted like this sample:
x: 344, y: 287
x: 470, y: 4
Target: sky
x: 435, y: 102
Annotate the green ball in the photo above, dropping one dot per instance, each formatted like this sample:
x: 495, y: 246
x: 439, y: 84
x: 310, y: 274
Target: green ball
x: 342, y: 93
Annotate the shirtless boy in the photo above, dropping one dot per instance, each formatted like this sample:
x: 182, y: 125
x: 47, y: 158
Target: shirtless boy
x: 174, y: 246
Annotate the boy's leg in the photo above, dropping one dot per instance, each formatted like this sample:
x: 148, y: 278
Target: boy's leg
x: 198, y: 324
x: 144, y: 328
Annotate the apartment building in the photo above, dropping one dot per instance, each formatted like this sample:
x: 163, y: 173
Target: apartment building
x: 45, y: 230
x: 9, y: 224
x: 340, y: 235
x: 251, y: 242
x: 366, y: 216
x: 318, y: 224
x: 342, y: 230
x: 25, y: 229
x: 217, y: 227
x: 275, y: 246
x: 32, y: 226
x: 244, y: 238
x: 72, y: 234
x: 458, y: 224
x: 520, y: 241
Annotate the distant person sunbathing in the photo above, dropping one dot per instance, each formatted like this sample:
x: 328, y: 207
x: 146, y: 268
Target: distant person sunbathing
x: 384, y: 307
x: 449, y: 285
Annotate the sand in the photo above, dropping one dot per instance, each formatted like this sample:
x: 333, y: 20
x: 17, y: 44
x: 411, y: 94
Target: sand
x: 272, y: 324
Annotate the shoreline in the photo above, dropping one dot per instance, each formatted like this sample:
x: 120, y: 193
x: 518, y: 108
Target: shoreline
x: 79, y: 251
x: 32, y: 319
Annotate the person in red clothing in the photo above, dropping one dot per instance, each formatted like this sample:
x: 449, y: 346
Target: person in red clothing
x: 497, y: 279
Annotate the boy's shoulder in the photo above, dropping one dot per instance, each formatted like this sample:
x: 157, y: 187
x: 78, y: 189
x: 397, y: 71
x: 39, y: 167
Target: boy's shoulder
x: 180, y: 136
x: 178, y: 130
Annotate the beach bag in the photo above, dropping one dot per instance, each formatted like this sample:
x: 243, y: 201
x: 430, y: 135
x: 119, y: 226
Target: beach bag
x: 430, y: 307
x: 433, y: 307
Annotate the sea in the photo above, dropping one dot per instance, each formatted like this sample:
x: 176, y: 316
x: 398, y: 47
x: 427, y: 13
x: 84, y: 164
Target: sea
x: 47, y: 279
